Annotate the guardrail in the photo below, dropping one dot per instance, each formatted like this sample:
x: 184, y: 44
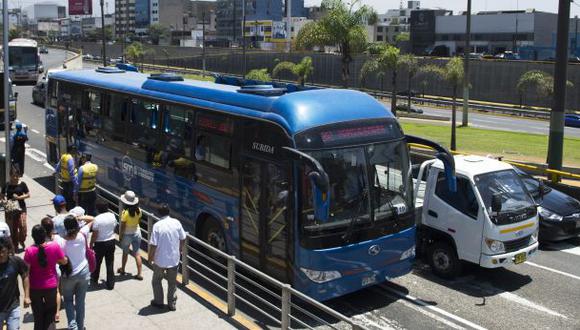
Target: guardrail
x: 212, y: 266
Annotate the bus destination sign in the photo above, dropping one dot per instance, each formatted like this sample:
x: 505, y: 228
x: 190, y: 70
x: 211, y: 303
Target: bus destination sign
x: 350, y: 133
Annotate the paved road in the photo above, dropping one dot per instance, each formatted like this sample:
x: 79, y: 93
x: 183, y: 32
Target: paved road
x: 504, y: 123
x: 542, y: 293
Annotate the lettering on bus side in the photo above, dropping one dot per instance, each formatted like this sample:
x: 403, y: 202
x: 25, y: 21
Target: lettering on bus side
x: 261, y: 147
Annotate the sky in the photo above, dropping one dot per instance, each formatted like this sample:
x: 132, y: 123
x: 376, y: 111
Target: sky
x: 382, y: 6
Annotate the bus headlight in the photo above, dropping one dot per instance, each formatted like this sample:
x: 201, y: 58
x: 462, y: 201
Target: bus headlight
x: 494, y: 246
x: 410, y: 253
x: 319, y: 276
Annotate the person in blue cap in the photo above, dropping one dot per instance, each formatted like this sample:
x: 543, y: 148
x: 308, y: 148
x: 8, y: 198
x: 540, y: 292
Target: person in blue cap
x: 18, y: 143
x: 59, y: 203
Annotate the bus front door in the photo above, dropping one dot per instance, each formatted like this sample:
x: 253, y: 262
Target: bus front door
x: 264, y: 224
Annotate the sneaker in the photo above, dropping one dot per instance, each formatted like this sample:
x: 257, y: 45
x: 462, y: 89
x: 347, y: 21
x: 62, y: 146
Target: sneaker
x: 171, y: 307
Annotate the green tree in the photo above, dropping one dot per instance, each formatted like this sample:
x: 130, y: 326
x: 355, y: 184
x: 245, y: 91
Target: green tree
x: 136, y: 53
x: 341, y: 26
x: 542, y: 81
x: 402, y: 37
x: 259, y: 75
x: 301, y: 70
x: 157, y: 32
x: 384, y: 58
x: 410, y: 63
x: 452, y: 73
x: 15, y: 33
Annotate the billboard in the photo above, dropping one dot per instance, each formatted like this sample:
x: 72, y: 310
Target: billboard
x: 80, y: 7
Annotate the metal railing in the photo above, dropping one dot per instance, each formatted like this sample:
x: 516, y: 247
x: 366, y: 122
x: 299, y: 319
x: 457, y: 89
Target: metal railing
x: 241, y: 284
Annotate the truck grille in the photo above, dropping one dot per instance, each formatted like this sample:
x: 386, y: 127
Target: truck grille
x: 511, y: 246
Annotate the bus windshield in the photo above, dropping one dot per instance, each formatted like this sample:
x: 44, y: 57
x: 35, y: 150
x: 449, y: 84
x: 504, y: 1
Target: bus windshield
x: 23, y: 57
x: 367, y: 184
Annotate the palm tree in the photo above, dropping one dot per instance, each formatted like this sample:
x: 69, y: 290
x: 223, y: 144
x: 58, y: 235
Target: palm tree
x: 342, y: 26
x: 136, y: 53
x: 410, y: 63
x: 541, y: 80
x: 384, y: 58
x: 452, y: 73
x: 301, y: 70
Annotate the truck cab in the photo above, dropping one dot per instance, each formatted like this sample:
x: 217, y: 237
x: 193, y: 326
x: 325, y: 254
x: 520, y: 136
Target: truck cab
x: 490, y: 220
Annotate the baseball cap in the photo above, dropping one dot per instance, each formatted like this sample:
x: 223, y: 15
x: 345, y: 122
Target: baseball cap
x: 18, y: 125
x: 58, y: 200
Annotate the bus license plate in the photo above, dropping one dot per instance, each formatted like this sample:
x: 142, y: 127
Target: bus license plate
x: 368, y: 280
x: 519, y: 258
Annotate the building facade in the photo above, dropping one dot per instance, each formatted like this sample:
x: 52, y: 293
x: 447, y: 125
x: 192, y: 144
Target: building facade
x: 394, y: 22
x: 125, y: 18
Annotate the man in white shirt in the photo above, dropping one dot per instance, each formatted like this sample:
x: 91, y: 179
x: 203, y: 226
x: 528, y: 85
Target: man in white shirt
x: 167, y: 242
x: 103, y: 242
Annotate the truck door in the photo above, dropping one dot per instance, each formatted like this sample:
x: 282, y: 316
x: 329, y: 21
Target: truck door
x: 457, y: 215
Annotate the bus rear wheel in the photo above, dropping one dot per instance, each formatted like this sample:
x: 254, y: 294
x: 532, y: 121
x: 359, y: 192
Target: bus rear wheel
x: 213, y: 235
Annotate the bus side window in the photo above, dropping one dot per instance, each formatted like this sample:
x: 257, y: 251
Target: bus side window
x: 92, y: 117
x: 52, y: 93
x: 213, y: 149
x: 177, y: 121
x: 115, y: 124
x: 144, y: 133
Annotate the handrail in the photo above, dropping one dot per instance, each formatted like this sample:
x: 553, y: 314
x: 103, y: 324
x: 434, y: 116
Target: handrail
x: 233, y: 264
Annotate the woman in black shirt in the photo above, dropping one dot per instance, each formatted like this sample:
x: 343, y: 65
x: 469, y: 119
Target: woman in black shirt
x: 16, y: 190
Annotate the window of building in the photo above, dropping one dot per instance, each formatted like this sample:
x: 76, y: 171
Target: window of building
x: 379, y: 29
x: 379, y: 38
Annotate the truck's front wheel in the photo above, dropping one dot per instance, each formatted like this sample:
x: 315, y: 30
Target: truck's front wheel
x: 444, y: 261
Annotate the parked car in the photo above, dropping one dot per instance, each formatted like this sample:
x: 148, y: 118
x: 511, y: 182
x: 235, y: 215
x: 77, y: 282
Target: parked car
x: 572, y: 120
x: 406, y: 93
x: 413, y: 109
x: 43, y: 50
x: 87, y: 57
x: 39, y: 93
x: 559, y: 212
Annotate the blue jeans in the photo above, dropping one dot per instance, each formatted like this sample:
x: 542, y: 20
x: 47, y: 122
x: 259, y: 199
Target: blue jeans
x: 12, y: 318
x: 74, y: 290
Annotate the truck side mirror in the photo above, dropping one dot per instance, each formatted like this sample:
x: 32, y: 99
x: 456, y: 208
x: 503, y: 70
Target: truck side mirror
x: 496, y: 202
x: 320, y: 183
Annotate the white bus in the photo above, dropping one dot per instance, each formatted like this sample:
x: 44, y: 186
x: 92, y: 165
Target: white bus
x: 25, y: 64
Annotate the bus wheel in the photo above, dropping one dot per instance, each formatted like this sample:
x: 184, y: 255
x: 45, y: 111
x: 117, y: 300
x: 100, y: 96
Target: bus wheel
x: 444, y: 261
x: 213, y: 235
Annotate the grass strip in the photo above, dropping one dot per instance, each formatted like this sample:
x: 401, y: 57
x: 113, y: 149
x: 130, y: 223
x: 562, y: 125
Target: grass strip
x: 511, y: 145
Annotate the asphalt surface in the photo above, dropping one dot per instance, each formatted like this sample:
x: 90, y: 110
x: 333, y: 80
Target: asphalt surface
x: 503, y: 123
x: 542, y: 293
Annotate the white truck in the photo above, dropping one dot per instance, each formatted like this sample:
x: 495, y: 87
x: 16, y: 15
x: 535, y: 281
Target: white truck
x: 490, y: 220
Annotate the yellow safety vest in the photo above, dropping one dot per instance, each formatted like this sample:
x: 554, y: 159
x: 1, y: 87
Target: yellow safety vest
x: 64, y: 175
x: 89, y: 178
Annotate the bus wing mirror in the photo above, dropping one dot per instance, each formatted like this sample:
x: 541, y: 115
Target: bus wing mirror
x: 320, y: 183
x: 496, y: 202
x: 442, y: 154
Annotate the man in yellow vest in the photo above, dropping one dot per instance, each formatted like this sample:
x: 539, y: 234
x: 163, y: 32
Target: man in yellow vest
x: 86, y: 183
x: 67, y: 172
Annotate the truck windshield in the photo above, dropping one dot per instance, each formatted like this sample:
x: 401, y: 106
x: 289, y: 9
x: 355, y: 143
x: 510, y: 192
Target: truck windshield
x: 362, y: 179
x: 516, y: 203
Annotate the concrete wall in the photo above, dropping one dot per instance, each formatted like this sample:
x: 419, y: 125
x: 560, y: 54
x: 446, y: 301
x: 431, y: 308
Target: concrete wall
x: 545, y: 25
x: 505, y: 23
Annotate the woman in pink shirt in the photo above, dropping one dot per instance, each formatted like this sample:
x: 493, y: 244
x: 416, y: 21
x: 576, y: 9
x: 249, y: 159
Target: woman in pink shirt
x: 42, y: 258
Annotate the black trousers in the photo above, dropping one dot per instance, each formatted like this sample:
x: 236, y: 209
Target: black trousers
x: 105, y: 250
x: 18, y: 161
x: 43, y: 307
x: 68, y: 194
x: 88, y: 201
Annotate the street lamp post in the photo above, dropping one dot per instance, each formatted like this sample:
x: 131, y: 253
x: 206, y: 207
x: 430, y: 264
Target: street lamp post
x: 289, y: 24
x: 102, y: 3
x: 244, y: 63
x: 203, y: 42
x: 466, y: 51
x: 556, y: 139
x: 6, y: 91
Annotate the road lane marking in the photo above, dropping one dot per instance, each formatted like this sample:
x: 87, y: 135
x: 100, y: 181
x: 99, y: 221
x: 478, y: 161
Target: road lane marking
x: 525, y: 302
x: 47, y: 165
x: 422, y: 311
x: 367, y: 318
x: 433, y: 308
x: 37, y: 155
x: 35, y: 131
x: 553, y: 270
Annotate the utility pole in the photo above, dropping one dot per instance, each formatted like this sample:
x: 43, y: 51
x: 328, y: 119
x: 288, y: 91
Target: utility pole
x: 576, y: 33
x: 203, y: 42
x: 244, y: 62
x: 234, y: 23
x: 556, y: 139
x: 466, y: 51
x: 289, y: 24
x: 6, y: 91
x: 104, y: 37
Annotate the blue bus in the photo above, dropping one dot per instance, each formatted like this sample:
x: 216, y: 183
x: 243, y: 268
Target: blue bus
x: 313, y: 187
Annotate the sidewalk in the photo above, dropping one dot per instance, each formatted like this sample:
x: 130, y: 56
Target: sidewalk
x: 127, y: 306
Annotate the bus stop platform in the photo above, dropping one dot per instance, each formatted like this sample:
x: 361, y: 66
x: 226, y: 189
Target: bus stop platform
x: 127, y: 306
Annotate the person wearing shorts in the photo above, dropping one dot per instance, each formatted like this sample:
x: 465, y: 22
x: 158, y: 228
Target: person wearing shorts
x: 130, y: 232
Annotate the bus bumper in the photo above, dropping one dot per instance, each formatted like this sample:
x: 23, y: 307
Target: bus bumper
x: 502, y: 260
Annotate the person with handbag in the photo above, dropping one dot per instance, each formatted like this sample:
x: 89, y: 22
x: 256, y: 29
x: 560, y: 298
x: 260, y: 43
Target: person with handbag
x: 130, y: 232
x: 42, y: 258
x: 76, y: 283
x: 13, y: 195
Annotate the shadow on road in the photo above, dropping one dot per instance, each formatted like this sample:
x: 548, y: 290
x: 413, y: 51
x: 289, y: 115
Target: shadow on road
x: 46, y: 181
